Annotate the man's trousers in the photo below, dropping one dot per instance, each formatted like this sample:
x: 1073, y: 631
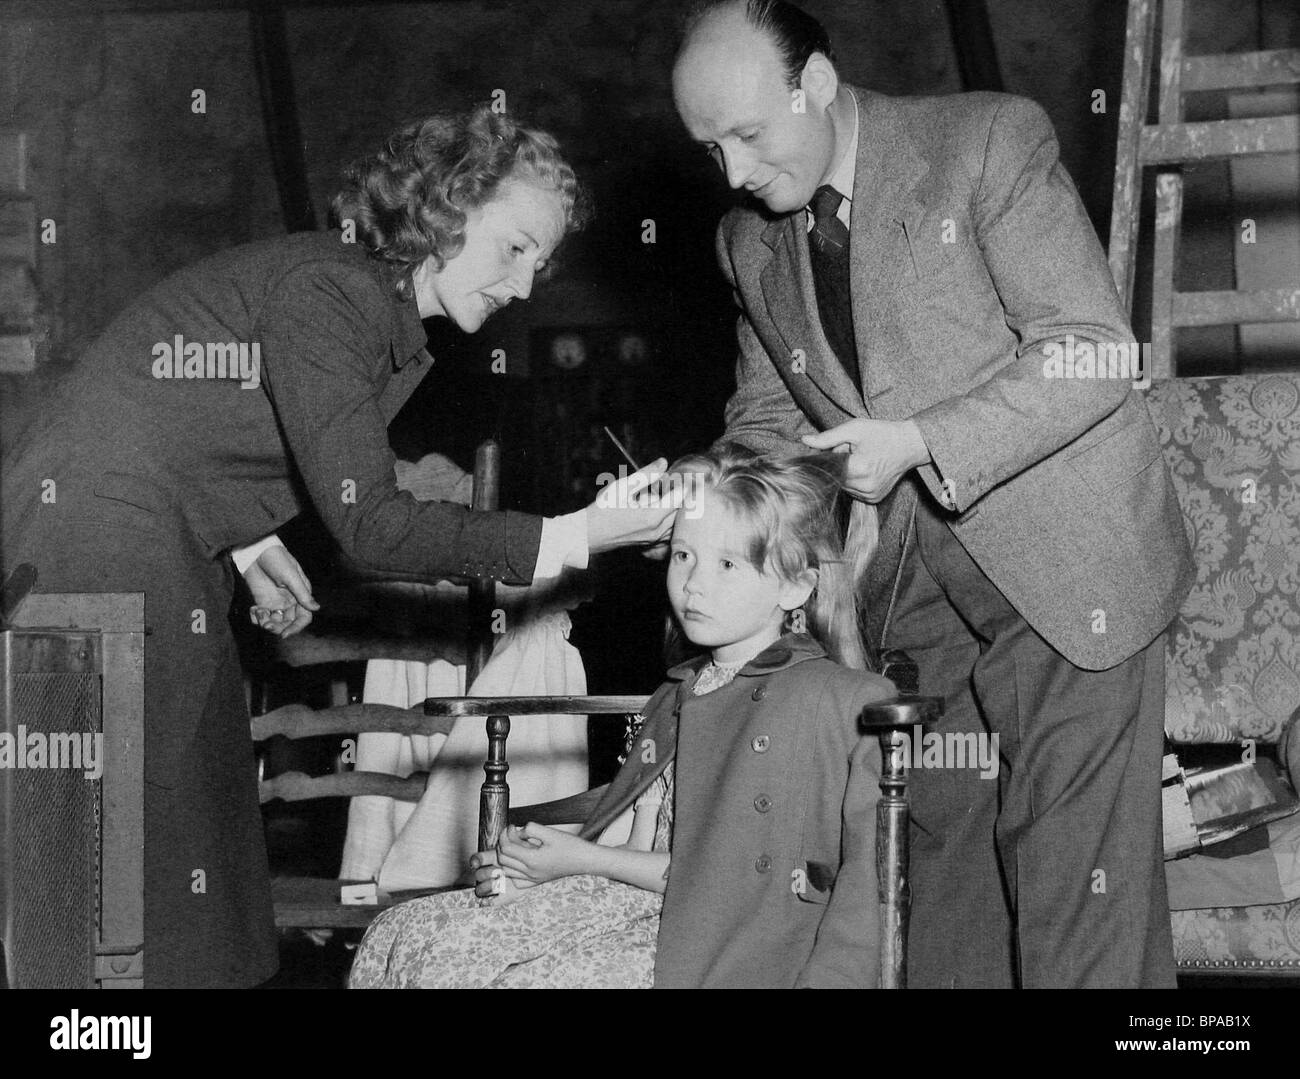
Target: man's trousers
x: 1050, y: 873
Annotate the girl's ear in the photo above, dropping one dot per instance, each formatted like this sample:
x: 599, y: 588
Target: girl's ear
x: 794, y: 594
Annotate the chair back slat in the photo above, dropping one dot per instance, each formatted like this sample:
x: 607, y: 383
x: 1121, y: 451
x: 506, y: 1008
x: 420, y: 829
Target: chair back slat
x: 299, y: 721
x: 300, y: 787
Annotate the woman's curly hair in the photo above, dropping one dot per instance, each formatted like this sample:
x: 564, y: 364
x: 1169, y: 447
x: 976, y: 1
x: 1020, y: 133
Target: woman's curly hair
x: 409, y: 200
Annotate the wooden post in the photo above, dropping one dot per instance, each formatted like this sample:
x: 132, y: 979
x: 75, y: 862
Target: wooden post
x: 482, y: 593
x: 1138, y: 39
x: 892, y: 861
x: 494, y: 798
x: 1169, y: 194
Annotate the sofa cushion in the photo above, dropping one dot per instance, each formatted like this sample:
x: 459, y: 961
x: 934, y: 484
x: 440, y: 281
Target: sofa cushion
x: 1233, y: 448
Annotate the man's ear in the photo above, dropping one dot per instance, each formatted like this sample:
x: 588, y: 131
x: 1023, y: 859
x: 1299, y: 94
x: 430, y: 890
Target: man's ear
x: 819, y: 81
x: 794, y: 594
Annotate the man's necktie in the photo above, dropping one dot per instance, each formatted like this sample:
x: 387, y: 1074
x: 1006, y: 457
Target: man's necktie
x: 828, y: 244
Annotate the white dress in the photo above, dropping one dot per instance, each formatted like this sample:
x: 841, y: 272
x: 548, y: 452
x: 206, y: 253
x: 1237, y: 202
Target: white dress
x: 428, y: 844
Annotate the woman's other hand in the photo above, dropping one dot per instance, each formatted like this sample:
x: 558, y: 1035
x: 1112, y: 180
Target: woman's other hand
x: 537, y: 853
x: 282, y: 599
x: 634, y: 510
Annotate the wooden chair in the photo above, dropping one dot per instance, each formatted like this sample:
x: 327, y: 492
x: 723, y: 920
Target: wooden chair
x: 315, y: 903
x: 887, y: 720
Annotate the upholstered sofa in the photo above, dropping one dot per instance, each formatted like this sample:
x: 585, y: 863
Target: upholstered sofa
x: 1233, y: 672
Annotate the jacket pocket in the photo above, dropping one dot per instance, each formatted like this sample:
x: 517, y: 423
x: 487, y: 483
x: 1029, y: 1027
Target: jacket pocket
x: 140, y: 501
x: 1118, y: 457
x: 813, y: 882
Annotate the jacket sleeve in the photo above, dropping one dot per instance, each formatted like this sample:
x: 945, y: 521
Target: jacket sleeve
x: 323, y: 354
x: 1050, y: 273
x: 655, y: 746
x: 846, y: 954
x: 761, y: 414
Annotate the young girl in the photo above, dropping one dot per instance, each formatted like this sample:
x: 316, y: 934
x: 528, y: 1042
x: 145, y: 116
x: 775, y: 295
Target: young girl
x: 749, y: 766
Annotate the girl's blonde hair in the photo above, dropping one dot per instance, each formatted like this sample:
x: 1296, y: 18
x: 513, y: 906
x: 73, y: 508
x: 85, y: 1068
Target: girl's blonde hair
x: 796, y: 519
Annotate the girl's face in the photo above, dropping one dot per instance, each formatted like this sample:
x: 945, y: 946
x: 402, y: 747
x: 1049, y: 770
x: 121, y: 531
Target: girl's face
x: 507, y: 242
x: 721, y: 601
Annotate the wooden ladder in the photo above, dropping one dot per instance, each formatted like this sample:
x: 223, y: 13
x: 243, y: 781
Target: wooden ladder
x: 1168, y: 144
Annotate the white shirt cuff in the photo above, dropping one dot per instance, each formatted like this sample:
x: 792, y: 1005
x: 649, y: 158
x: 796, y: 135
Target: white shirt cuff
x: 245, y: 556
x: 564, y: 545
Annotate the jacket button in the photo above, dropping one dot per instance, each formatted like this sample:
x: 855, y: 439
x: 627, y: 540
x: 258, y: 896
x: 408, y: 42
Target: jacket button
x: 763, y: 863
x: 760, y: 744
x: 762, y: 803
x: 759, y: 693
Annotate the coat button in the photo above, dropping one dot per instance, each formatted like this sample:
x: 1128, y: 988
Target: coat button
x: 763, y: 863
x: 759, y: 693
x: 760, y: 743
x: 762, y: 803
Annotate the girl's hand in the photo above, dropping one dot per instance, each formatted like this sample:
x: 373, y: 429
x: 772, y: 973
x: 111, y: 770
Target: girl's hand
x: 493, y: 882
x: 537, y: 853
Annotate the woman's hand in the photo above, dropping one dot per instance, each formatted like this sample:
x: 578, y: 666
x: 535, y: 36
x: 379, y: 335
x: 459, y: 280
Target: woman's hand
x: 634, y: 510
x: 537, y: 853
x: 282, y: 599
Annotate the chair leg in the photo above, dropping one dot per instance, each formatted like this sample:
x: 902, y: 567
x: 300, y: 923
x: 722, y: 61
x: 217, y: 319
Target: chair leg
x: 892, y: 861
x: 494, y: 796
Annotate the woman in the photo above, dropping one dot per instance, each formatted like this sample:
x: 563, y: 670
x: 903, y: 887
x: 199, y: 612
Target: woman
x: 217, y: 407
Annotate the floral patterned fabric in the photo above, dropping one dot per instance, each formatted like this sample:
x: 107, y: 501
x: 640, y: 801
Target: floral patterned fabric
x: 573, y: 933
x: 583, y: 932
x: 1233, y: 447
x: 1261, y: 939
x: 1233, y: 662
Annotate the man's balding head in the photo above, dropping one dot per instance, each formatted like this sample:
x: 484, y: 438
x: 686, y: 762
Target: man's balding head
x: 754, y: 82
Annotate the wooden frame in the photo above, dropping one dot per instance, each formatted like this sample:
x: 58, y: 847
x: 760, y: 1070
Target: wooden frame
x: 1172, y: 142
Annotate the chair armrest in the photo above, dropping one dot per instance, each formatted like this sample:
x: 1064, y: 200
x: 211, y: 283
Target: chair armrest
x: 533, y: 706
x: 899, y: 713
x: 572, y: 810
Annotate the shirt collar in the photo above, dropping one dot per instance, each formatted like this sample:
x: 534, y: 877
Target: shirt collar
x: 785, y: 652
x: 408, y: 336
x: 842, y: 178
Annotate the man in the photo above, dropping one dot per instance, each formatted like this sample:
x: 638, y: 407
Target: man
x: 908, y: 270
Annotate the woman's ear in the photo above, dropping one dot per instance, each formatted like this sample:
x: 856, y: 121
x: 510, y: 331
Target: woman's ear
x: 794, y: 594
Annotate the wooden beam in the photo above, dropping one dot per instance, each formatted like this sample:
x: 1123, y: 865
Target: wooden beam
x: 65, y: 9
x: 1225, y: 308
x: 274, y: 69
x: 1241, y: 71
x: 1161, y: 145
x: 972, y: 43
x: 1121, y: 253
